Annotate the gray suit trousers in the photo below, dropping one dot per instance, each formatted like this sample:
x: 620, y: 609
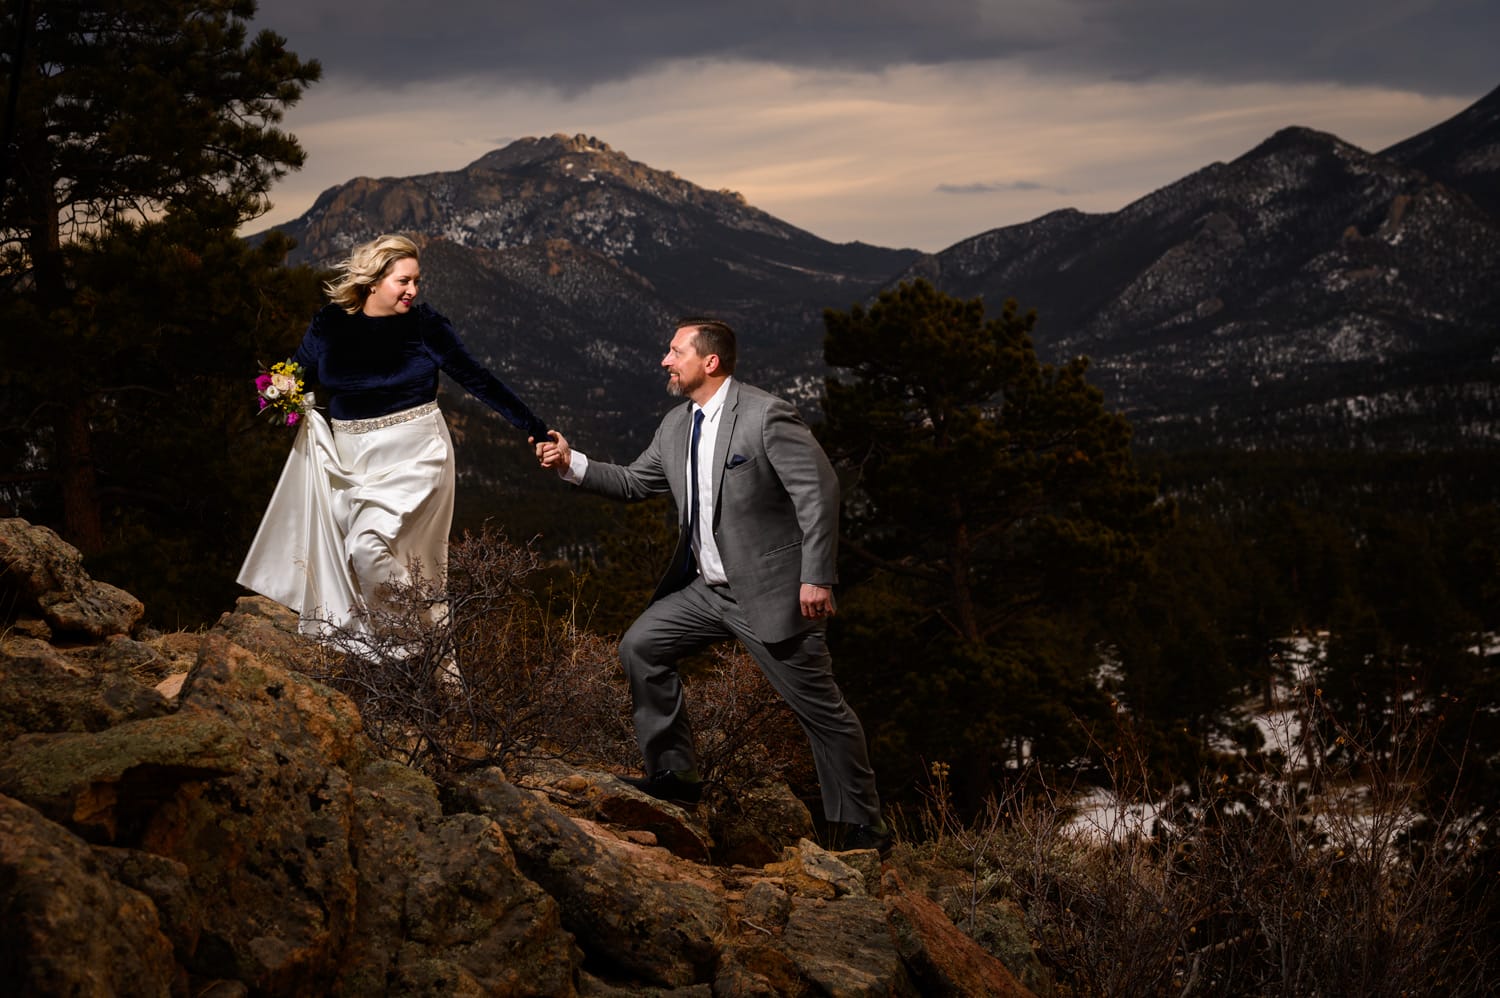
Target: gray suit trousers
x: 800, y: 669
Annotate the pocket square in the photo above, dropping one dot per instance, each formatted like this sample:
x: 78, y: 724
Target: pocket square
x: 736, y: 461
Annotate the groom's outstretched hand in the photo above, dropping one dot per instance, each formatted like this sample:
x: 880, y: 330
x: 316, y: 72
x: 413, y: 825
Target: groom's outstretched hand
x: 553, y: 452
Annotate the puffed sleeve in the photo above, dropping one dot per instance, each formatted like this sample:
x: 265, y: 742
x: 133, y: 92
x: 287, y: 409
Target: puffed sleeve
x: 442, y: 343
x: 310, y: 351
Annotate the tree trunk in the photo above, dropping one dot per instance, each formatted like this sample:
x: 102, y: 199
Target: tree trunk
x: 73, y: 435
x: 961, y: 559
x: 83, y: 523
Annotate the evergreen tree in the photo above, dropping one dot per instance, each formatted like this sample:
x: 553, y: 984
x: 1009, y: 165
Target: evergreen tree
x: 633, y: 550
x: 116, y: 111
x: 175, y: 315
x: 992, y: 509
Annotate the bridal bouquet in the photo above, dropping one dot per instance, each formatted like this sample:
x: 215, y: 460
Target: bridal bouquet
x: 280, y: 392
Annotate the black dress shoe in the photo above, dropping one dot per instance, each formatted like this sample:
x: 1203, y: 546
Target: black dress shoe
x: 869, y: 837
x: 667, y: 785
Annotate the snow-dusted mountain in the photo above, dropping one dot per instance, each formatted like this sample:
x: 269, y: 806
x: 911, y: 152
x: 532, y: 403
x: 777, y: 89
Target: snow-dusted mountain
x: 1309, y: 293
x: 564, y: 263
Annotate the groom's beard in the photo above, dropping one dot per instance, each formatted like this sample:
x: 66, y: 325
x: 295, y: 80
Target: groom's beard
x: 677, y: 387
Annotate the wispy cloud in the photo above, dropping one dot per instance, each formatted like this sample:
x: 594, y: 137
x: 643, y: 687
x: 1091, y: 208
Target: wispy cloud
x: 999, y: 187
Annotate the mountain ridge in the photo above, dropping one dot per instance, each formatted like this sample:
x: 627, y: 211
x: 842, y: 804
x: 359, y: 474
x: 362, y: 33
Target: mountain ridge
x: 1462, y: 152
x: 1248, y: 302
x: 1306, y: 293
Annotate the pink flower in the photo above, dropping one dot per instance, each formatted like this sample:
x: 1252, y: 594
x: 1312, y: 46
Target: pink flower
x: 262, y: 382
x: 263, y: 402
x: 292, y: 418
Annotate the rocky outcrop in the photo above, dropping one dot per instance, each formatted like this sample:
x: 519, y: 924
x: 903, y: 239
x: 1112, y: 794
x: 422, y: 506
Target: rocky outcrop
x: 70, y: 927
x: 46, y: 579
x: 191, y: 814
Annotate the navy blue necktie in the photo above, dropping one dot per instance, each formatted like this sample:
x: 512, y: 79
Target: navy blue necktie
x: 693, y: 483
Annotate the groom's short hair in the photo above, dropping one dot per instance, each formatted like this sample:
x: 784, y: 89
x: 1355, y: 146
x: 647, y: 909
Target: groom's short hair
x: 712, y: 336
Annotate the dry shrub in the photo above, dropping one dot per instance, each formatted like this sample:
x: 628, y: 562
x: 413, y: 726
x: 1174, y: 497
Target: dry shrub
x: 480, y: 671
x: 483, y: 672
x: 1338, y: 872
x: 1343, y: 869
x: 744, y: 731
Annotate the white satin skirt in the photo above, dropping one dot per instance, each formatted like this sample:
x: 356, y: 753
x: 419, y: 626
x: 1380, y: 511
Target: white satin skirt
x: 360, y: 504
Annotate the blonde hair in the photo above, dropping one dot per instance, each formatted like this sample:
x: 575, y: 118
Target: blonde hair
x: 367, y: 264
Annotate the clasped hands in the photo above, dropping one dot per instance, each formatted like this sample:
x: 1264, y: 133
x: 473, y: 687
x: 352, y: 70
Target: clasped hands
x: 553, y: 452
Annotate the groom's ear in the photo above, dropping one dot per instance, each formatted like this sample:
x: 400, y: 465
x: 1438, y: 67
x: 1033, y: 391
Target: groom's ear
x: 711, y: 363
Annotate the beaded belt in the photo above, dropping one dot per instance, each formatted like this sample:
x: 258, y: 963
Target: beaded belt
x: 381, y: 422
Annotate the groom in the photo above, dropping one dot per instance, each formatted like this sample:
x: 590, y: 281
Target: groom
x: 758, y: 508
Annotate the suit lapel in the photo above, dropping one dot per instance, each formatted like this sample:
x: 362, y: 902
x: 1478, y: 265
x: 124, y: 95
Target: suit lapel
x: 674, y: 461
x: 721, y: 440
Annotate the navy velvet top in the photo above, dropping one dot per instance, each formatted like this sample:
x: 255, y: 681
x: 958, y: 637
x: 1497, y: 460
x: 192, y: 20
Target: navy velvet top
x: 375, y: 365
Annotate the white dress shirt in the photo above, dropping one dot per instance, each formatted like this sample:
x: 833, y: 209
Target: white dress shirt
x: 705, y: 549
x: 710, y: 564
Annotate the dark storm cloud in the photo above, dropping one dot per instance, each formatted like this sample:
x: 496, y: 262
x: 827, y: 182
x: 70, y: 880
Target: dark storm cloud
x: 572, y: 44
x: 1430, y: 46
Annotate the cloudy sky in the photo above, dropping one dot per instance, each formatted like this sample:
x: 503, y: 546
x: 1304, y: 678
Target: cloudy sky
x: 910, y: 124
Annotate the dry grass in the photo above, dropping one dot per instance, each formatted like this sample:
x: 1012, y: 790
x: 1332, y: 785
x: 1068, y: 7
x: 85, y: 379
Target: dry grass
x: 477, y: 670
x: 1259, y: 886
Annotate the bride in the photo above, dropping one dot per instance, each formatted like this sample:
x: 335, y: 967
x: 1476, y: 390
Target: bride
x: 366, y: 497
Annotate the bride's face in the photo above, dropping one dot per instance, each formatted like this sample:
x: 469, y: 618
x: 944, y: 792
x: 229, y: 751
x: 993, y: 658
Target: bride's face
x: 394, y: 293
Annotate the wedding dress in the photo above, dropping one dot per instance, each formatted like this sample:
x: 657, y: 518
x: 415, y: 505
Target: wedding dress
x: 367, y: 495
x: 355, y: 508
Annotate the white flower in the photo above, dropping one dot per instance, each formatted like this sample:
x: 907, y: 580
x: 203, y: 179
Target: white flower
x: 272, y: 392
x: 284, y: 383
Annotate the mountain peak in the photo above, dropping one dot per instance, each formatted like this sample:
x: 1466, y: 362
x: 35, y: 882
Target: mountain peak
x: 1296, y: 138
x: 528, y: 150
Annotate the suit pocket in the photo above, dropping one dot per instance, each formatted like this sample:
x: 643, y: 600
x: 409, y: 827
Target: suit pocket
x: 739, y: 462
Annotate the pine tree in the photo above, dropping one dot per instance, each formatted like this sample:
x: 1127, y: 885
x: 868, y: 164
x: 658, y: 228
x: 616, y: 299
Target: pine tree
x: 175, y: 315
x: 992, y: 507
x: 118, y: 111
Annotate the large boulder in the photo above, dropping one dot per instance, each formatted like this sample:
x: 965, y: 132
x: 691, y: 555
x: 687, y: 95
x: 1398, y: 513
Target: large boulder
x: 638, y: 914
x: 268, y: 629
x: 46, y: 689
x: 95, y: 783
x: 845, y: 948
x: 604, y: 797
x: 757, y: 823
x: 66, y: 927
x: 269, y: 841
x: 41, y: 574
x: 441, y: 906
x: 940, y: 958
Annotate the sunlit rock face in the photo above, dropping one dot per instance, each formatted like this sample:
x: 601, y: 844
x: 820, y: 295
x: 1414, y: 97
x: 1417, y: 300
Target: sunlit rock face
x: 191, y: 814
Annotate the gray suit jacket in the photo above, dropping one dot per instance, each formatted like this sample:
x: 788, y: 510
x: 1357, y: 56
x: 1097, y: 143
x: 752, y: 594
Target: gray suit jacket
x: 776, y: 504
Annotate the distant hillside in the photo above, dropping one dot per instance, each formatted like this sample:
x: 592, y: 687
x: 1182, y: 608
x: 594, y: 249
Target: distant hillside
x: 1307, y: 294
x: 567, y: 259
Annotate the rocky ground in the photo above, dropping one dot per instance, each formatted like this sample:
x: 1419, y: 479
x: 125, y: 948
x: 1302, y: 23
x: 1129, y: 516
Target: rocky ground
x: 189, y: 814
